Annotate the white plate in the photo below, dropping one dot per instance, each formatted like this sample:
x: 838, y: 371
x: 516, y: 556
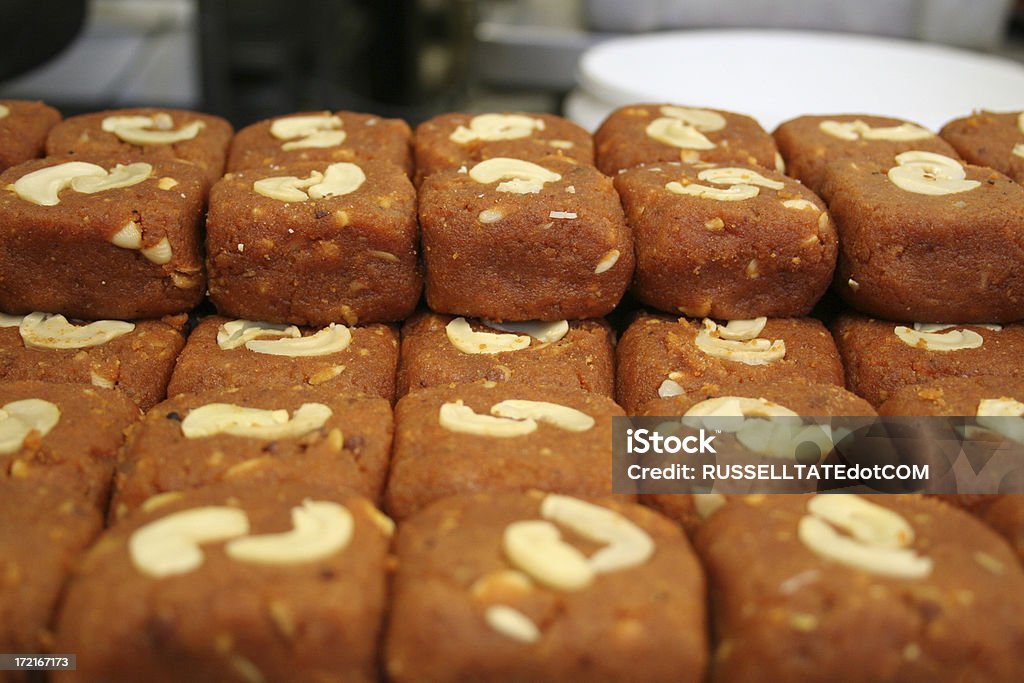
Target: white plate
x: 776, y: 75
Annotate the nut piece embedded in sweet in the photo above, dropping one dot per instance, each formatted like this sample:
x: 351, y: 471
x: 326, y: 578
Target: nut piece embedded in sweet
x: 456, y: 417
x: 170, y: 545
x: 733, y: 193
x: 554, y: 414
x: 932, y: 338
x: 150, y: 130
x: 160, y: 253
x: 677, y: 133
x: 536, y: 547
x: 702, y: 119
x: 626, y: 544
x: 4, y: 111
x: 257, y: 423
x: 610, y: 258
x: 670, y: 388
x: 18, y: 419
x: 339, y: 179
x: 707, y: 504
x: 855, y: 130
x: 740, y: 348
x: 492, y: 127
x: 521, y: 177
x: 237, y: 333
x: 43, y: 187
x: 47, y: 331
x: 800, y: 205
x: 512, y: 623
x: 1018, y: 149
x: 742, y: 330
x: 10, y: 320
x: 332, y: 339
x: 287, y: 188
x: 119, y: 176
x: 466, y: 340
x: 312, y: 131
x: 128, y: 237
x: 929, y: 173
x: 1003, y: 416
x: 544, y: 332
x: 319, y: 529
x: 878, y: 541
x: 732, y: 175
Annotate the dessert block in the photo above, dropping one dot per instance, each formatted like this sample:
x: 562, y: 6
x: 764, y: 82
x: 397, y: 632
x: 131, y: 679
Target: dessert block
x: 24, y: 125
x: 993, y: 139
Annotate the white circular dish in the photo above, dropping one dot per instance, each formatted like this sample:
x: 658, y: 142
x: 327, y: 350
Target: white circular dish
x: 777, y: 75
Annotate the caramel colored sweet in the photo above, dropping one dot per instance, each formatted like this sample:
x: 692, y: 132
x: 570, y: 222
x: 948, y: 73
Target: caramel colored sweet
x: 138, y: 363
x: 562, y: 252
x: 769, y: 254
x: 993, y: 139
x: 350, y: 258
x: 656, y: 348
x: 76, y: 457
x: 644, y: 622
x: 808, y: 149
x: 546, y: 135
x: 23, y: 130
x: 63, y: 258
x: 583, y: 358
x: 1006, y: 516
x: 784, y: 612
x: 365, y: 368
x: 293, y: 619
x: 83, y: 136
x: 928, y: 258
x: 432, y: 461
x: 622, y: 141
x: 367, y: 138
x: 878, y: 363
x: 952, y: 396
x: 349, y: 451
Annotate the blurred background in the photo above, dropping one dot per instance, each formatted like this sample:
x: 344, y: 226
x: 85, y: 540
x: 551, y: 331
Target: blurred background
x: 250, y: 59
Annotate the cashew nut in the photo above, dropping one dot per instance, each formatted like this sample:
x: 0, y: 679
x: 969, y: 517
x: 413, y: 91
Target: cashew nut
x: 150, y: 130
x: 521, y: 177
x: 339, y: 179
x: 1002, y: 415
x: 929, y: 173
x: 44, y: 186
x: 702, y: 119
x: 48, y: 331
x: 557, y: 415
x: 462, y: 337
x: 287, y: 188
x: 733, y: 193
x: 257, y: 423
x: 711, y: 341
x: 512, y: 623
x: 456, y: 417
x: 729, y: 413
x: 301, y: 132
x: 669, y: 388
x: 170, y: 545
x: 536, y: 547
x: 626, y: 544
x: 119, y: 176
x: 544, y: 332
x: 18, y: 419
x: 677, y: 133
x: 128, y: 237
x: 160, y: 253
x: 331, y: 339
x: 4, y: 111
x: 800, y: 205
x: 10, y: 320
x: 236, y: 333
x: 1018, y: 149
x: 741, y: 330
x: 732, y: 175
x: 606, y: 262
x: 491, y: 127
x: 923, y: 337
x: 855, y: 130
x: 319, y: 529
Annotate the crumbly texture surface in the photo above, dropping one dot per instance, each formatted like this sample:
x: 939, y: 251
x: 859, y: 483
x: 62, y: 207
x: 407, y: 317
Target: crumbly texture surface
x: 534, y: 256
x: 878, y: 363
x: 349, y: 258
x: 656, y: 345
x: 701, y: 256
x: 365, y: 368
x: 78, y: 454
x: 921, y: 258
x: 61, y: 259
x: 808, y: 150
x: 622, y: 141
x: 348, y: 453
x: 229, y: 620
x: 23, y: 131
x: 367, y: 138
x: 83, y: 136
x: 584, y: 358
x: 45, y: 529
x: 431, y: 461
x: 951, y: 396
x: 986, y: 138
x: 644, y: 623
x: 436, y: 151
x: 795, y: 616
x: 138, y: 363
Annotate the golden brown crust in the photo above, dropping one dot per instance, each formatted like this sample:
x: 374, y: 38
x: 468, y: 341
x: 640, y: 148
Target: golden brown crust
x: 989, y: 138
x: 23, y: 131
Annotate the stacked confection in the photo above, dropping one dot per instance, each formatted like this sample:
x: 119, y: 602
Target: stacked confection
x: 427, y: 325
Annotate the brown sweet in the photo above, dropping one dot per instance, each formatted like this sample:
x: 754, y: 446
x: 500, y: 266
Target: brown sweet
x: 583, y: 358
x: 432, y: 460
x: 45, y: 530
x: 623, y: 140
x: 770, y: 253
x: 993, y: 139
x: 63, y: 258
x: 951, y: 396
x: 558, y: 251
x: 784, y: 612
x: 367, y: 138
x: 366, y: 367
x: 348, y: 258
x: 347, y: 451
x: 530, y: 136
x: 656, y: 348
x: 84, y: 136
x: 644, y: 622
x: 808, y: 148
x: 1006, y: 516
x: 905, y: 255
x: 23, y: 128
x: 878, y: 363
x: 138, y: 363
x: 76, y: 455
x: 292, y: 619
